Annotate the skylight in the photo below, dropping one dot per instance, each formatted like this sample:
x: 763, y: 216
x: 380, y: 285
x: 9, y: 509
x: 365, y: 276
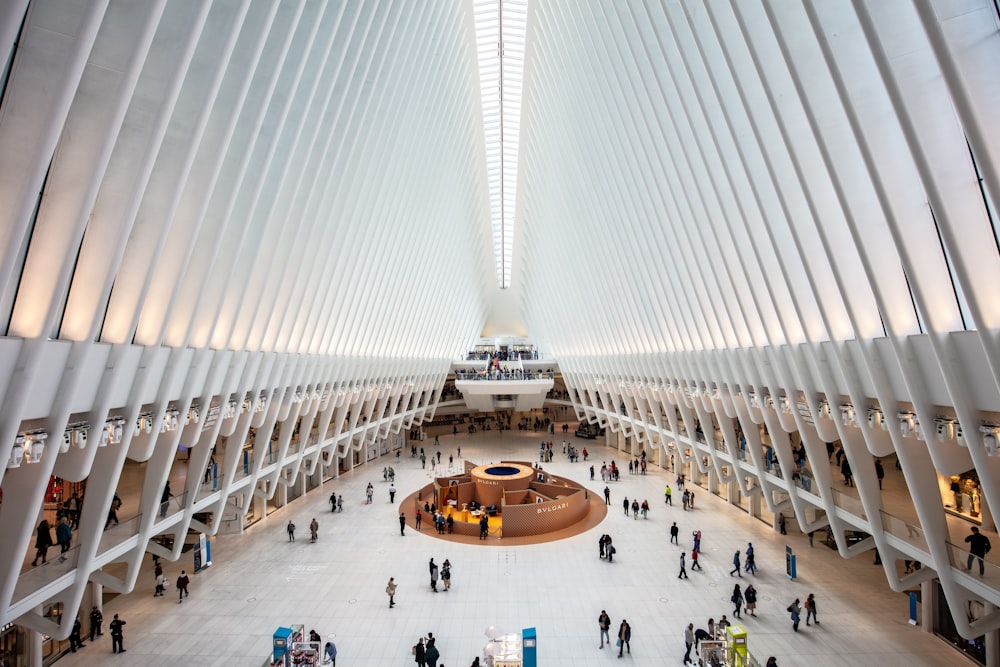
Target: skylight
x: 500, y: 44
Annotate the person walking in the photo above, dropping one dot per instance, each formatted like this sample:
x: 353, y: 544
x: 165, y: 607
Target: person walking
x: 688, y: 642
x: 64, y: 535
x: 673, y: 533
x: 313, y: 530
x: 390, y: 590
x: 624, y: 637
x: 625, y: 505
x: 736, y: 565
x: 694, y: 561
x: 340, y: 503
x: 604, y: 622
x: 668, y: 496
x: 446, y: 574
x: 434, y: 576
x: 683, y: 573
x: 750, y: 597
x: 43, y: 540
x: 96, y: 618
x: 644, y: 508
x: 182, y: 586
x: 417, y: 519
x: 392, y: 493
x: 979, y: 546
x: 165, y: 500
x: 879, y: 472
x: 402, y: 522
x: 117, y: 636
x: 635, y: 509
x: 161, y: 585
x: 291, y: 531
x: 845, y: 470
x: 484, y: 527
x: 333, y: 501
x: 795, y: 610
x: 751, y: 563
x: 607, y: 494
x: 811, y: 609
x: 781, y: 523
x: 737, y: 599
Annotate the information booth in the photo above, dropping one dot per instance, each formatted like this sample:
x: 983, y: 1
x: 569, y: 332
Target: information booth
x: 281, y: 645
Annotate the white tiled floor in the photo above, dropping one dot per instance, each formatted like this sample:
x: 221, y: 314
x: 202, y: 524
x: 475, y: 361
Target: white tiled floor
x: 259, y: 582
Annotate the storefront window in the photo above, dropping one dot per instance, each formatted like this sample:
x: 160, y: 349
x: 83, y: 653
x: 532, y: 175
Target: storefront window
x: 9, y: 645
x: 944, y: 627
x: 963, y: 495
x: 53, y: 648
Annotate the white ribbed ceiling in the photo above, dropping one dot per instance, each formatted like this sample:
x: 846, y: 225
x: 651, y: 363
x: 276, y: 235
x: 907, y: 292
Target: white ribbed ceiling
x: 310, y: 176
x: 718, y: 175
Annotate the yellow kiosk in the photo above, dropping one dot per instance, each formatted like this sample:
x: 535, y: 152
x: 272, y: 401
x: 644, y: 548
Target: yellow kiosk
x: 736, y: 645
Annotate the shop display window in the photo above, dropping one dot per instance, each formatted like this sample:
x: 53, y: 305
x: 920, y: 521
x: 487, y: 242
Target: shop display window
x: 963, y: 495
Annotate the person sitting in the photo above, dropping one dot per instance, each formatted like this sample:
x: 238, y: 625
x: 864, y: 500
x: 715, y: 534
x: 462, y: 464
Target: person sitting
x: 493, y: 509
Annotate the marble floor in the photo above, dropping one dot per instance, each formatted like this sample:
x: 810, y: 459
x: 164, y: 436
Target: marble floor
x: 260, y: 581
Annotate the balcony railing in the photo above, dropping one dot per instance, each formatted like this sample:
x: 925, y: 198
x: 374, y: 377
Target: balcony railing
x: 35, y: 578
x: 117, y: 533
x: 849, y: 503
x: 903, y: 530
x: 499, y: 376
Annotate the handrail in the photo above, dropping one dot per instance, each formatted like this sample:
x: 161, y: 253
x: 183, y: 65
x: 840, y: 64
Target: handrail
x: 505, y: 377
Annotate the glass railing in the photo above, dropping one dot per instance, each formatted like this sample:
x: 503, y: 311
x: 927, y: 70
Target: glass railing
x: 117, y: 533
x: 904, y: 530
x: 804, y: 481
x: 34, y: 578
x: 848, y: 503
x: 506, y: 377
x: 962, y: 559
x: 173, y: 504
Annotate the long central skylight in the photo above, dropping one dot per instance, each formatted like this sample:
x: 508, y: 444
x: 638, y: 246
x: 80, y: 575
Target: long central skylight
x: 500, y: 43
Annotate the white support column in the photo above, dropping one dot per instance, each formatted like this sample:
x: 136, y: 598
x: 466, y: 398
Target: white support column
x: 991, y: 639
x: 34, y: 647
x: 928, y: 600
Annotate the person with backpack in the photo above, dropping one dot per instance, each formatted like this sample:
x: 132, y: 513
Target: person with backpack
x: 795, y: 610
x: 737, y: 599
x: 979, y: 546
x: 811, y: 609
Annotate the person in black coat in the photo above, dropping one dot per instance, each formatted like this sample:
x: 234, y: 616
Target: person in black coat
x: 419, y: 653
x: 75, y: 640
x: 43, y: 540
x: 624, y: 637
x: 117, y: 646
x: 96, y: 618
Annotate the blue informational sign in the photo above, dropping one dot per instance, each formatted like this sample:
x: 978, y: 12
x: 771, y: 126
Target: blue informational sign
x: 789, y: 562
x: 529, y: 647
